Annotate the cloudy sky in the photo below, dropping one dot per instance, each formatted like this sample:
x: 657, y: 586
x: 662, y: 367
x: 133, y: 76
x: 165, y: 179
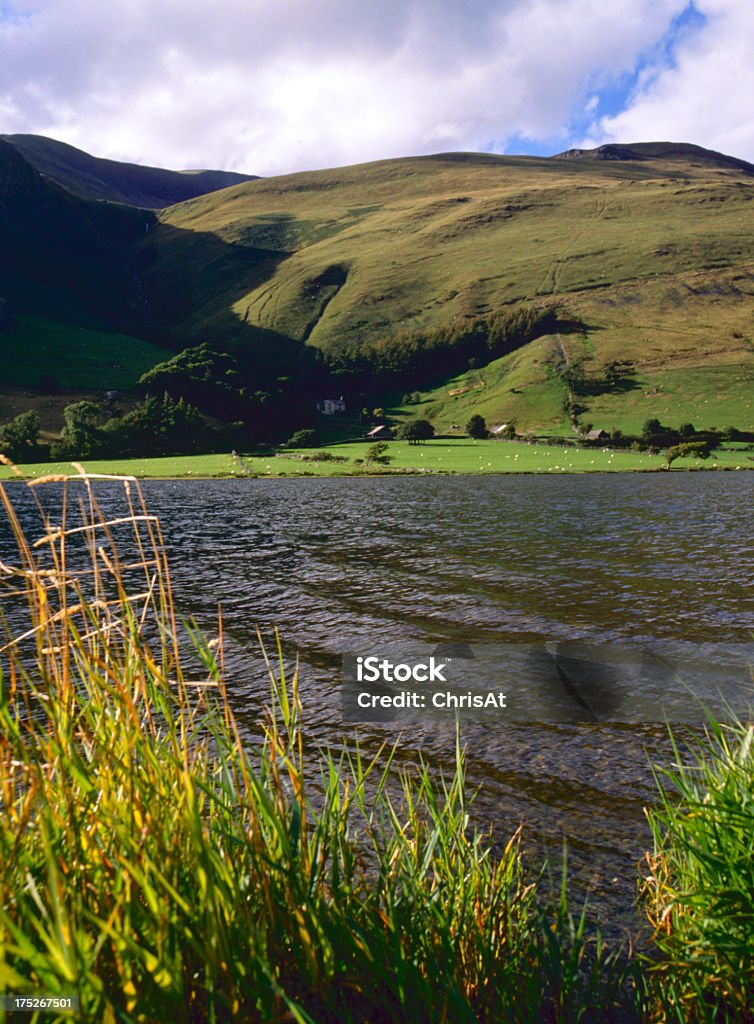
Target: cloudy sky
x: 270, y: 86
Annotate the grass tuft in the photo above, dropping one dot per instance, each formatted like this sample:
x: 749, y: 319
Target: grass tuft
x: 700, y: 882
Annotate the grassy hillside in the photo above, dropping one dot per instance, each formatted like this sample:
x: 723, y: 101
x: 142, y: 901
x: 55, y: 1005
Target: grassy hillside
x: 47, y: 365
x: 149, y: 188
x: 642, y: 253
x: 690, y: 336
x: 71, y: 302
x: 76, y: 357
x: 649, y: 259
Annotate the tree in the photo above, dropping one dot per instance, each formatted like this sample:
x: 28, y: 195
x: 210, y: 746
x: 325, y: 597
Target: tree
x: 619, y: 372
x: 81, y: 436
x: 477, y: 428
x: 156, y: 427
x: 18, y: 439
x: 416, y: 431
x: 652, y: 427
x: 378, y: 453
x: 305, y: 439
x: 689, y: 450
x: 574, y: 377
x: 193, y: 374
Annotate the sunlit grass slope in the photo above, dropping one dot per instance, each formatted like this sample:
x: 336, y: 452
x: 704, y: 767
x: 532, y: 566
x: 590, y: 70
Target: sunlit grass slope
x: 699, y: 379
x: 422, y: 240
x: 647, y: 259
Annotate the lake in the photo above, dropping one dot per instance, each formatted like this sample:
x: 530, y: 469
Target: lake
x: 343, y: 565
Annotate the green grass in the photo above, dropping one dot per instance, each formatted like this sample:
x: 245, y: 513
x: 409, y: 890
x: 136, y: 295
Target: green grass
x: 520, y: 388
x: 700, y: 880
x: 707, y: 396
x: 454, y: 455
x: 76, y: 357
x: 166, y: 466
x: 692, y: 351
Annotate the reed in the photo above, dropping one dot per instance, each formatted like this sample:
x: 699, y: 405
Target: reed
x: 700, y: 883
x: 160, y: 869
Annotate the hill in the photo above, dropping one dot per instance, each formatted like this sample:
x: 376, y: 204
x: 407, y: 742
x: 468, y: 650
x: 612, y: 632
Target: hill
x: 633, y: 267
x: 696, y: 156
x: 150, y: 188
x: 69, y: 302
x: 61, y: 256
x: 646, y: 254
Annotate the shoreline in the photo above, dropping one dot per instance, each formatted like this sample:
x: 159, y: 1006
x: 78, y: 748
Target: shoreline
x: 456, y: 457
x: 116, y: 475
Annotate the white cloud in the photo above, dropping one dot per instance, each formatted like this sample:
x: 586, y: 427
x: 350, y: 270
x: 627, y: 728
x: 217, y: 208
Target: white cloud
x: 269, y: 86
x: 704, y: 94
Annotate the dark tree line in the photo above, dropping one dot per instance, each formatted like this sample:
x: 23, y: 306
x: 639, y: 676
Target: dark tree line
x: 224, y: 385
x: 414, y: 357
x: 157, y: 426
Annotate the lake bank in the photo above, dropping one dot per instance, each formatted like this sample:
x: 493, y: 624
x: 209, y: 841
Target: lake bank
x: 337, y: 564
x: 238, y: 836
x: 437, y: 457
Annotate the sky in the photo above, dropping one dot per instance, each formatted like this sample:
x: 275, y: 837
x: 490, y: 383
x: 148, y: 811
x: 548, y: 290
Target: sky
x: 274, y: 86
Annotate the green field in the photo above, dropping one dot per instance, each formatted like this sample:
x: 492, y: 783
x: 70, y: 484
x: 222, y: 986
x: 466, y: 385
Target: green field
x: 75, y: 357
x: 456, y: 455
x: 523, y: 388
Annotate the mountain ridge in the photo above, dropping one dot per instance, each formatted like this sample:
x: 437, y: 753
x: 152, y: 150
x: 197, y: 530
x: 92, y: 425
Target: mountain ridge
x: 90, y: 177
x: 656, y: 150
x: 61, y: 255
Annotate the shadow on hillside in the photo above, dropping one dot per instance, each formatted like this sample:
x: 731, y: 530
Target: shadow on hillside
x: 567, y: 327
x: 621, y: 386
x: 188, y: 283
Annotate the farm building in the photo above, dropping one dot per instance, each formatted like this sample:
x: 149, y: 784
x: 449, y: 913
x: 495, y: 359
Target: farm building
x: 381, y: 433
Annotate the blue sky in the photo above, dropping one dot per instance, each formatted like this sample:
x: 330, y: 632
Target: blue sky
x: 270, y: 86
x: 608, y: 96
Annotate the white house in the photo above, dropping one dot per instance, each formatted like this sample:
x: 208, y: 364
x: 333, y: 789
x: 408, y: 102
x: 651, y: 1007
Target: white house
x: 331, y: 406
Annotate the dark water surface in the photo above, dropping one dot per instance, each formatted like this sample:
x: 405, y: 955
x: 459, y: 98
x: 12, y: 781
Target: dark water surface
x: 347, y: 564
